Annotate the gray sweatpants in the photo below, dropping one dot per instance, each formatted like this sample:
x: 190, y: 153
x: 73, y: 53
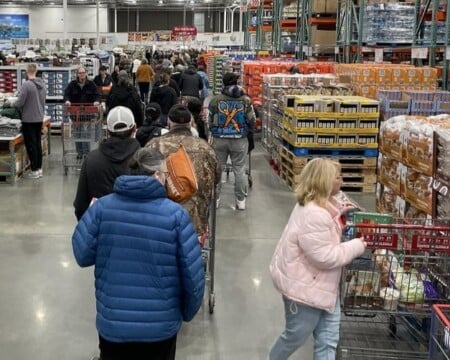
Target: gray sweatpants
x: 237, y: 149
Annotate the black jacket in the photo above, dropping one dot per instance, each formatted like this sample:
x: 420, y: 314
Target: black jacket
x: 99, y: 82
x: 128, y: 97
x: 100, y: 169
x: 190, y: 83
x: 77, y: 94
x: 148, y: 132
x: 165, y: 96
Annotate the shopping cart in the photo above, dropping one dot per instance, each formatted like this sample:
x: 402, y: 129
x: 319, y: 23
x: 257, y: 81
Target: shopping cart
x: 81, y: 132
x: 208, y: 253
x: 387, y: 294
x: 439, y: 348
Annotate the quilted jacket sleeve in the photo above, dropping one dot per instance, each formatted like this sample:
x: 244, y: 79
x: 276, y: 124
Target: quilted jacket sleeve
x: 321, y: 249
x: 191, y: 271
x: 84, y: 238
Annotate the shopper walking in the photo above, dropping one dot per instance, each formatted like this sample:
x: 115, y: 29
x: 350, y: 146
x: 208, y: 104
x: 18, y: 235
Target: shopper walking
x: 82, y: 91
x: 102, y: 166
x: 231, y: 119
x: 165, y: 96
x: 204, y: 159
x: 103, y: 78
x: 190, y: 83
x: 115, y: 74
x: 144, y: 76
x: 195, y: 106
x: 31, y: 103
x: 125, y: 94
x: 149, y: 274
x: 205, y: 90
x: 306, y: 266
x: 134, y: 66
x: 152, y: 125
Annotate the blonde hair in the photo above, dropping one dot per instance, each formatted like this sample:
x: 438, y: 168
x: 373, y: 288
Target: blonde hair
x: 316, y: 181
x: 32, y: 68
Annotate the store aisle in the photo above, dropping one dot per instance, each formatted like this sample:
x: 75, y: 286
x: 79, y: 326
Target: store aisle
x: 47, y: 303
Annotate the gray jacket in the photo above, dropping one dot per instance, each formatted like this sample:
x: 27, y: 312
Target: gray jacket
x: 31, y: 101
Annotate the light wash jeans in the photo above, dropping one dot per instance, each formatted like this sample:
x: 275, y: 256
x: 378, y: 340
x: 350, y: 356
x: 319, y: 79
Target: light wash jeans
x: 238, y: 151
x: 301, y: 322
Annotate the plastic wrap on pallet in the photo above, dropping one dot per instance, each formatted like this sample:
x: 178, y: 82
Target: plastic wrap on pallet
x: 388, y: 23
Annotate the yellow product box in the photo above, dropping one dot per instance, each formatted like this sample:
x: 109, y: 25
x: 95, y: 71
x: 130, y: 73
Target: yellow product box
x: 383, y: 75
x: 399, y: 75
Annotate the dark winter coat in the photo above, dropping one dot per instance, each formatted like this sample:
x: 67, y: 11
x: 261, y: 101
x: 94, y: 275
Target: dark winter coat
x: 165, y: 96
x: 190, y: 83
x: 148, y: 266
x: 100, y: 169
x: 128, y: 97
x: 87, y: 94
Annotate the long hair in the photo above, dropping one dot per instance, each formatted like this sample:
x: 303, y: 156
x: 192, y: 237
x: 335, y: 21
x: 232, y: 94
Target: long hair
x: 316, y: 181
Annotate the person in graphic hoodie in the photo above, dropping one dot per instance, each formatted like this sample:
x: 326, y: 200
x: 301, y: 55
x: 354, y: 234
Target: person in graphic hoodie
x: 231, y: 122
x: 102, y: 166
x: 31, y: 103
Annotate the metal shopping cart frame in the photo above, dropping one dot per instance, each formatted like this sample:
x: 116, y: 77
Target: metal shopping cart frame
x: 439, y: 347
x: 81, y: 128
x: 409, y: 256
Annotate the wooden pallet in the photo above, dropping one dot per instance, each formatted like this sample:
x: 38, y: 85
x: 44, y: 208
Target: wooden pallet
x: 361, y: 188
x: 364, y: 179
x: 288, y: 180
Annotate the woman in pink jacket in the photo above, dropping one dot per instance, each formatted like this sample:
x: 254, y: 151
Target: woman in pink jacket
x: 307, y: 263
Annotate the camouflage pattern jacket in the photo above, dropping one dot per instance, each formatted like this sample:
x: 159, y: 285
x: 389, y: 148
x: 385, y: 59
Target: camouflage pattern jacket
x: 207, y: 167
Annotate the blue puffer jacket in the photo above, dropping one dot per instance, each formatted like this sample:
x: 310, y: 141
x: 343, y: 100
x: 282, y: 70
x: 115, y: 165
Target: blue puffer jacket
x: 148, y: 267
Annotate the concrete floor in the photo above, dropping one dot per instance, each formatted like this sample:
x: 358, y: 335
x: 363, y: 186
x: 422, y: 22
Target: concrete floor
x: 47, y: 307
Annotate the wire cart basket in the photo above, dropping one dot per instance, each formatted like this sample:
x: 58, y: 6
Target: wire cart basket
x: 388, y: 293
x: 439, y: 348
x: 81, y: 132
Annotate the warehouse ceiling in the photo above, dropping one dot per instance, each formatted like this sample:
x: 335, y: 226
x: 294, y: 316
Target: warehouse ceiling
x: 129, y: 4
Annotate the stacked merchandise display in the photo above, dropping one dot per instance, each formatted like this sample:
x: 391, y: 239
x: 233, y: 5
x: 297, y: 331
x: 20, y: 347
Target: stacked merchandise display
x: 388, y: 23
x: 441, y: 182
x: 215, y: 68
x: 344, y: 128
x: 426, y: 103
x: 275, y: 86
x: 8, y: 79
x: 368, y: 79
x: 254, y: 70
x: 407, y: 174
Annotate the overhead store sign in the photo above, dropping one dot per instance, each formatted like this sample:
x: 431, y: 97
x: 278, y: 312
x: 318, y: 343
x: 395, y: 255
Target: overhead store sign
x: 184, y: 31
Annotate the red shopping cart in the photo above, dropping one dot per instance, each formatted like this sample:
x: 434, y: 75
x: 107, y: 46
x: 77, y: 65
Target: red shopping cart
x: 388, y: 293
x: 81, y: 131
x: 439, y: 348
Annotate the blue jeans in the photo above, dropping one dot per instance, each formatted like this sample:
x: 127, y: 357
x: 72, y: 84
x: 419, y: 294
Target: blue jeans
x: 238, y: 151
x: 301, y: 322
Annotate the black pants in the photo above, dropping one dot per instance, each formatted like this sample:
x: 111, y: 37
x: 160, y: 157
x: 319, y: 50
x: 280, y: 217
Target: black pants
x: 161, y: 350
x: 144, y: 88
x: 32, y: 137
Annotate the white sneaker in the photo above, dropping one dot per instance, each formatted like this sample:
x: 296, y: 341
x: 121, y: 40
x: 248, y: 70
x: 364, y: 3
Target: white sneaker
x: 41, y: 174
x: 32, y: 175
x: 240, y: 204
x: 217, y: 203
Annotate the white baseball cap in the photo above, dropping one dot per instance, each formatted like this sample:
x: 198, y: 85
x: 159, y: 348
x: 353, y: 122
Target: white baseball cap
x: 120, y: 119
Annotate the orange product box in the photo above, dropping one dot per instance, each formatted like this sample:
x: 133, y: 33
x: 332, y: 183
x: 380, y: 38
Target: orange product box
x: 413, y: 76
x: 366, y: 76
x: 399, y: 75
x: 383, y: 75
x: 369, y: 91
x: 429, y: 75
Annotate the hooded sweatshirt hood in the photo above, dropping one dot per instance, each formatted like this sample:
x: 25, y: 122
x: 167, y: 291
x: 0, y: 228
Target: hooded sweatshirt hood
x: 234, y: 91
x: 117, y: 150
x: 139, y: 187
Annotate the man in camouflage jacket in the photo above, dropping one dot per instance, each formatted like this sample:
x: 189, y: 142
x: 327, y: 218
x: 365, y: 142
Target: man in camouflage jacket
x: 203, y: 156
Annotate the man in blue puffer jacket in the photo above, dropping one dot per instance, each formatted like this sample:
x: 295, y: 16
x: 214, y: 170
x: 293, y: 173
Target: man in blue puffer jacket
x: 149, y: 274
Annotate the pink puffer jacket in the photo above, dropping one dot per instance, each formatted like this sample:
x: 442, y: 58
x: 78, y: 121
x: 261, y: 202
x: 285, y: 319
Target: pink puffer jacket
x: 307, y: 263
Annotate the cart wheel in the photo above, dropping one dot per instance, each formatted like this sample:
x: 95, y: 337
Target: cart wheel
x: 212, y: 302
x: 250, y: 181
x: 392, y: 325
x: 66, y: 170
